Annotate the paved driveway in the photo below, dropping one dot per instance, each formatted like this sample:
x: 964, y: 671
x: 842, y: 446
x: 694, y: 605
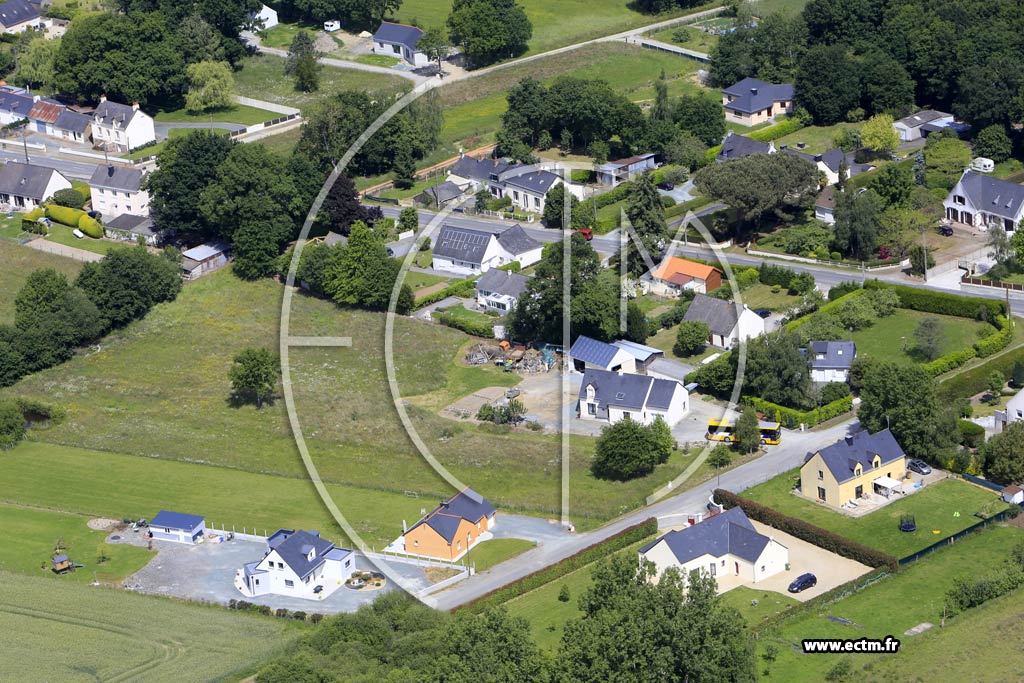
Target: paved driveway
x: 546, y: 531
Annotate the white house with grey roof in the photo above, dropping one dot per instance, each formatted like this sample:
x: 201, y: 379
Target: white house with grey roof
x: 720, y: 546
x: 471, y: 174
x: 17, y: 16
x: 984, y: 202
x: 526, y: 190
x: 299, y: 564
x: 499, y: 290
x: 830, y: 360
x: 117, y: 190
x: 440, y: 195
x: 614, y: 396
x: 130, y: 228
x: 468, y: 252
x: 830, y: 163
x: 15, y: 104
x: 920, y: 124
x: 736, y: 146
x: 729, y: 322
x: 586, y: 354
x: 753, y: 101
x: 121, y: 127
x: 399, y: 41
x: 26, y: 186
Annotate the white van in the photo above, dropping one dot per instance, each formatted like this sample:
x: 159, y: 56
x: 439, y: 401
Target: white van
x: 78, y: 233
x: 332, y: 26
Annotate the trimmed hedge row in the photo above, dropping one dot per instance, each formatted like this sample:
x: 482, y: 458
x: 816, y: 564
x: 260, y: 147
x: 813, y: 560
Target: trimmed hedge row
x: 473, y: 327
x: 64, y: 215
x: 541, y: 577
x: 823, y: 538
x: 689, y: 205
x: 90, y: 226
x: 460, y: 288
x: 995, y: 342
x: 616, y: 195
x: 792, y: 418
x: 975, y: 380
x: 942, y: 303
x: 950, y: 361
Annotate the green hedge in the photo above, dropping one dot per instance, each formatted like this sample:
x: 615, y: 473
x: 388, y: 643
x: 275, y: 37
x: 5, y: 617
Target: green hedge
x: 975, y: 380
x: 65, y: 215
x: 541, y: 577
x: 460, y: 288
x: 778, y: 130
x: 615, y: 195
x: 473, y: 327
x: 794, y: 325
x: 942, y: 303
x: 90, y: 226
x: 689, y: 205
x: 792, y: 418
x: 950, y: 361
x: 971, y: 435
x: 995, y: 342
x: 823, y: 538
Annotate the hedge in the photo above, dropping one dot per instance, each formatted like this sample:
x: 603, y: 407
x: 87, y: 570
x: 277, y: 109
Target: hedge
x: 778, y: 130
x: 473, y: 327
x: 64, y: 215
x: 995, y: 342
x: 975, y: 380
x: 950, y: 361
x: 793, y: 325
x: 942, y: 303
x: 541, y: 577
x: 460, y: 288
x: 823, y: 538
x: 90, y: 226
x: 971, y: 435
x: 792, y: 418
x: 615, y: 195
x: 689, y: 205
x: 817, y: 602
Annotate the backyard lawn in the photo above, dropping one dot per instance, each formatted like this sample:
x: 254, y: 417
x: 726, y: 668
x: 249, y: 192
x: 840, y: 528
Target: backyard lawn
x: 900, y: 602
x: 665, y: 339
x: 282, y: 35
x: 18, y: 263
x: 696, y: 39
x: 282, y: 143
x: 762, y: 296
x: 892, y: 337
x: 934, y: 509
x: 62, y: 234
x: 817, y: 138
x: 64, y: 631
x: 769, y: 603
x: 495, y: 551
x: 236, y: 113
x: 32, y: 536
x: 460, y: 312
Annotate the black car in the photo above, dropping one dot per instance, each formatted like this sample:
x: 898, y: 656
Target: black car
x: 803, y: 582
x: 666, y: 186
x: 763, y: 312
x: 919, y: 466
x: 946, y: 230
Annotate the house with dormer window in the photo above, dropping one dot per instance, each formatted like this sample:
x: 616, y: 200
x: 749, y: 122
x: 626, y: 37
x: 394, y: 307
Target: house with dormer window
x: 984, y: 202
x: 120, y: 127
x: 449, y: 531
x: 852, y: 467
x: 300, y: 564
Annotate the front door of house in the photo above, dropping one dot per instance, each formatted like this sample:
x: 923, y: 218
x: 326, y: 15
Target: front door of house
x: 821, y: 493
x: 858, y: 492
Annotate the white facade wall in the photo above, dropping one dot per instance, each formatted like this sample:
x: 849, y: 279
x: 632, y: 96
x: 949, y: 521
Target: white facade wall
x: 281, y: 580
x: 829, y: 375
x: 772, y: 560
x: 139, y: 131
x: 417, y: 58
x: 20, y: 203
x: 113, y: 203
x: 178, y: 535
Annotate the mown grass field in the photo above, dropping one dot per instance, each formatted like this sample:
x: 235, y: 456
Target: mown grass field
x: 62, y: 234
x: 496, y: 551
x: 900, y: 602
x: 32, y: 536
x: 892, y: 338
x: 933, y: 509
x: 262, y: 77
x: 762, y: 296
x: 237, y: 113
x: 17, y: 263
x: 817, y: 138
x: 555, y: 22
x: 62, y: 631
x: 159, y: 390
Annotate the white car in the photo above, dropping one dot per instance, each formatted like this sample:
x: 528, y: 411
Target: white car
x: 78, y: 233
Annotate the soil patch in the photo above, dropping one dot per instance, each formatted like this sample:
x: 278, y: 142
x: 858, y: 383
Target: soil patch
x: 103, y: 524
x: 439, y: 574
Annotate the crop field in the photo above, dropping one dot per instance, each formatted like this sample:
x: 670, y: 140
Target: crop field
x: 58, y: 631
x: 32, y: 536
x: 900, y: 602
x: 18, y: 262
x: 935, y: 509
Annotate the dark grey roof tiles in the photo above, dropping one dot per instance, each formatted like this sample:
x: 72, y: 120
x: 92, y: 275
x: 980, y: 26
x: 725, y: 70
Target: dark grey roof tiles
x: 842, y: 456
x: 502, y: 282
x: 738, y: 146
x: 515, y: 241
x: 118, y: 178
x: 25, y: 180
x: 992, y: 195
x: 729, y: 533
x: 462, y: 244
x: 753, y: 95
x: 719, y: 315
x: 398, y: 33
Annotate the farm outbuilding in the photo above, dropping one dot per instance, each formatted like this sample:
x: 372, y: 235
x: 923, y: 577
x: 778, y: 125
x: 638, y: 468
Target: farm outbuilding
x: 178, y: 527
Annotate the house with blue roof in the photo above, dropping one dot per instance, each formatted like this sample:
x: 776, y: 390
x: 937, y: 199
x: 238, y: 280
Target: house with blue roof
x: 753, y: 101
x: 178, y: 527
x: 451, y: 529
x: 725, y: 545
x: 399, y: 41
x: 830, y: 361
x: 854, y: 467
x: 300, y: 564
x: 587, y: 354
x: 614, y: 396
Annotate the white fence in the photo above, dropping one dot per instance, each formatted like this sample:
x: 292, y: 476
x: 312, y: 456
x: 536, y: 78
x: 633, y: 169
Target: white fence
x: 244, y: 534
x: 441, y: 585
x: 836, y: 264
x: 269, y: 106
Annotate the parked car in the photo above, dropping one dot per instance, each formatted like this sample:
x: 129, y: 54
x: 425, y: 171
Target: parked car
x: 919, y: 466
x: 803, y: 582
x: 763, y: 312
x: 586, y: 233
x: 946, y: 230
x: 667, y: 186
x: 78, y: 233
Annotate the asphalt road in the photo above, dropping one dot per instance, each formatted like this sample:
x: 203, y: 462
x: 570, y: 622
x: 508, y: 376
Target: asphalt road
x: 786, y: 456
x: 82, y: 170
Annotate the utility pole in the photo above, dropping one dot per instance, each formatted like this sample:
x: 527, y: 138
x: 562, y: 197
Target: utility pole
x: 924, y: 254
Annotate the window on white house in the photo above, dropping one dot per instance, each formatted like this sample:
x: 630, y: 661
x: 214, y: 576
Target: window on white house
x: 591, y: 409
x: 821, y: 475
x: 289, y: 583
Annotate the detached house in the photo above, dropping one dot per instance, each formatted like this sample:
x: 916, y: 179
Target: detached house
x: 499, y: 290
x: 619, y: 171
x: 919, y: 125
x: 15, y: 104
x: 752, y: 101
x: 117, y: 190
x: 17, y: 16
x: 1014, y: 412
x: 830, y: 360
x: 452, y: 528
x: 299, y: 564
x: 399, y: 41
x: 729, y: 322
x: 472, y: 174
x: 722, y: 545
x: 130, y: 227
x: 526, y: 190
x: 121, y: 127
x: 825, y: 206
x: 177, y: 527
x: 739, y: 146
x: 25, y: 186
x: 858, y: 464
x: 676, y: 275
x: 470, y: 252
x: 614, y: 396
x: 984, y: 202
x: 830, y: 163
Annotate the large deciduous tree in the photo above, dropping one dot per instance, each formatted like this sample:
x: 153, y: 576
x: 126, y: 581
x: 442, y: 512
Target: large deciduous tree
x: 878, y: 135
x: 858, y: 223
x: 827, y: 84
x: 254, y: 374
x: 188, y: 165
x: 758, y: 184
x: 1004, y: 455
x: 489, y: 30
x: 777, y: 371
x: 210, y: 86
x: 702, y: 117
x: 126, y: 283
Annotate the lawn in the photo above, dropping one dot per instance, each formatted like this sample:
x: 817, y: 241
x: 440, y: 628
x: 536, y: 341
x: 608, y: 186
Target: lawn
x: 769, y: 603
x: 892, y: 337
x: 377, y: 60
x: 18, y: 263
x: 282, y: 35
x: 696, y: 39
x: 762, y: 296
x: 32, y: 536
x: 460, y: 312
x: 418, y: 280
x: 763, y: 8
x: 817, y: 138
x: 62, y: 234
x: 497, y: 550
x: 282, y: 143
x: 551, y: 29
x: 262, y: 76
x: 63, y: 631
x: 665, y: 339
x: 10, y: 228
x: 237, y: 113
x: 933, y: 509
x: 890, y: 607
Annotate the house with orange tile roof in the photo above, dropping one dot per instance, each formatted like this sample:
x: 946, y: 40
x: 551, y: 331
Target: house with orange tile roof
x: 675, y: 275
x: 449, y: 531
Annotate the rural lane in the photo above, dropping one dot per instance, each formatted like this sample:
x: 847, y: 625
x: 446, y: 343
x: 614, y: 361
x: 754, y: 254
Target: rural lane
x: 782, y: 458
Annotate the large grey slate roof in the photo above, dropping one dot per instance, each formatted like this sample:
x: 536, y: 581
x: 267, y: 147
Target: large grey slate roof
x: 73, y: 121
x: 465, y: 505
x: 176, y: 520
x: 502, y: 282
x: 139, y: 225
x: 628, y: 390
x: 753, y: 95
x: 842, y: 456
x: 17, y: 104
x: 109, y: 113
x: 719, y: 315
x: 119, y: 178
x: 462, y: 244
x: 440, y: 194
x: 992, y: 195
x: 295, y: 548
x: 738, y: 146
x: 515, y: 241
x: 398, y: 33
x: 838, y: 355
x: 592, y: 351
x: 729, y: 533
x: 538, y: 182
x: 15, y: 12
x: 480, y: 170
x: 25, y: 180
x: 641, y: 352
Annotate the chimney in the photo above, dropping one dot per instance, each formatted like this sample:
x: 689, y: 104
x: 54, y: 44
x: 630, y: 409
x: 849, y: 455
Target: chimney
x: 817, y: 158
x: 849, y: 439
x: 103, y: 98
x: 404, y: 527
x: 753, y: 91
x: 135, y: 106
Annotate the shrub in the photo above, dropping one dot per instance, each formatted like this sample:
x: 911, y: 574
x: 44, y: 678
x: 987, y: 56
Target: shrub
x: 64, y: 215
x: 281, y: 612
x: 977, y: 590
x: 779, y: 130
x: 474, y: 327
x: 12, y: 425
x: 690, y: 205
x: 316, y: 618
x: 943, y: 303
x: 971, y: 435
x: 995, y: 342
x: 34, y: 227
x: 834, y: 391
x: 800, y: 284
x: 69, y: 197
x: 615, y: 195
x: 812, y: 534
x: 950, y: 361
x: 299, y: 616
x: 975, y: 380
x: 90, y: 226
x: 792, y: 418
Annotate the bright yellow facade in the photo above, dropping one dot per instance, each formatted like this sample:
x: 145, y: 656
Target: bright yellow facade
x: 818, y: 482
